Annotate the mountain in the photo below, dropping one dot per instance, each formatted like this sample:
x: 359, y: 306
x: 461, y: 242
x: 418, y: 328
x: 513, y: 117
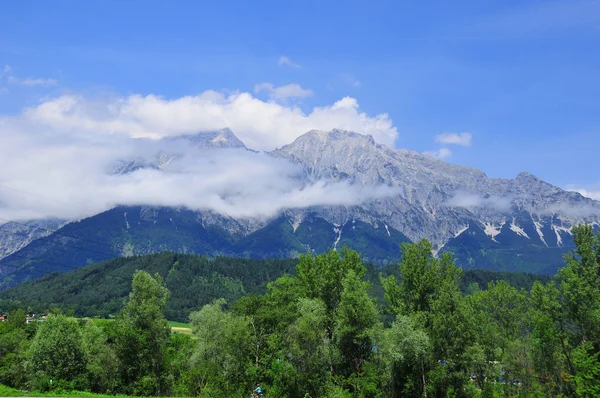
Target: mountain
x: 15, y: 236
x: 506, y: 224
x: 223, y: 138
x: 170, y: 148
x: 519, y: 224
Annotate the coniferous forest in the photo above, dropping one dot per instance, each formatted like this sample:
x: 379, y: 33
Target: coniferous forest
x: 327, y: 329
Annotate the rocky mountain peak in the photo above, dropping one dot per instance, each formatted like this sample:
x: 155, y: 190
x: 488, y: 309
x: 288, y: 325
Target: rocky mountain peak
x: 223, y: 138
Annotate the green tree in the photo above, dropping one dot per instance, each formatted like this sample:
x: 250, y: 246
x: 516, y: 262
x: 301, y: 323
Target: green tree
x: 14, y: 344
x: 143, y: 335
x: 309, y: 346
x: 580, y: 279
x: 17, y: 318
x: 552, y: 355
x: 102, y: 366
x: 57, y: 353
x: 422, y: 279
x: 322, y: 277
x: 223, y: 352
x: 356, y: 318
x: 407, y: 347
x: 587, y: 378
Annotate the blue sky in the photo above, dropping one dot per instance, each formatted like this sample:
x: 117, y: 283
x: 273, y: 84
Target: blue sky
x: 522, y: 77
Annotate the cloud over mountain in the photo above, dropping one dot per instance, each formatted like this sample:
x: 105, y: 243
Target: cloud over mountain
x: 260, y: 125
x: 71, y: 176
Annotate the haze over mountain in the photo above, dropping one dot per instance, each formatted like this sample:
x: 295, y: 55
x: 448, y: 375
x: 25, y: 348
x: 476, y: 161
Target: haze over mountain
x: 207, y: 193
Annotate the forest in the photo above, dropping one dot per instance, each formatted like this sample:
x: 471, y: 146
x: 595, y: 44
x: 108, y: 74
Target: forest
x: 99, y: 290
x: 321, y: 332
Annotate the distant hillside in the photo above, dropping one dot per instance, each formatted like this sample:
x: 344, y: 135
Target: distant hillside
x: 99, y: 289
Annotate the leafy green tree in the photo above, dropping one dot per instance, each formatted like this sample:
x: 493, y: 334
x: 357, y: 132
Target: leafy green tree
x: 181, y: 374
x: 407, y: 347
x: 17, y: 318
x: 14, y: 344
x: 587, y: 364
x: 309, y: 345
x: 143, y: 335
x: 580, y: 279
x: 57, y: 353
x: 552, y: 357
x: 356, y: 317
x: 223, y: 352
x: 102, y: 366
x: 452, y: 333
x: 422, y: 278
x: 322, y: 277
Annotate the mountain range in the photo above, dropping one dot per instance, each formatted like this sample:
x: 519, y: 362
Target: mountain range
x: 518, y: 224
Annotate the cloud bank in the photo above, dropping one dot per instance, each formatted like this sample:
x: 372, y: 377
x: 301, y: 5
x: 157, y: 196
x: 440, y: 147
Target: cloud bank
x: 589, y: 193
x: 470, y: 200
x: 260, y: 125
x: 63, y: 150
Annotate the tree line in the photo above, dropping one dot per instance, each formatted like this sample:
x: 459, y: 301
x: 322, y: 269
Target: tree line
x: 98, y: 290
x: 321, y: 333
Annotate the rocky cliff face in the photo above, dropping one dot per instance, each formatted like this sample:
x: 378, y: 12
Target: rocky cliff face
x: 14, y: 237
x: 438, y: 200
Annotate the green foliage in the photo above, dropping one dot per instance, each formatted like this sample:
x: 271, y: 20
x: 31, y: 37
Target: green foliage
x: 587, y: 376
x: 143, y: 335
x: 355, y: 321
x: 57, y: 353
x: 102, y: 369
x: 338, y: 328
x: 223, y: 348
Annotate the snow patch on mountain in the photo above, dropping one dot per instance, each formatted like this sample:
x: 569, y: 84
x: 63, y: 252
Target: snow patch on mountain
x: 338, y: 231
x: 460, y: 231
x: 492, y: 230
x: 538, y: 228
x: 518, y: 230
x: 557, y: 230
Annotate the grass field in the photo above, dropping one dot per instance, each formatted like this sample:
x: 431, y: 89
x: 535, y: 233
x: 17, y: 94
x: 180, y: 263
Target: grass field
x: 11, y: 392
x: 179, y: 327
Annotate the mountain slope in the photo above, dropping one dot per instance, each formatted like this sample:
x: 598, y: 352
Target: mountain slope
x: 520, y: 224
x: 126, y: 231
x: 15, y: 236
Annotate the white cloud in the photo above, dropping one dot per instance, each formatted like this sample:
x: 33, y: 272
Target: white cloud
x: 32, y: 82
x: 590, y: 191
x: 62, y: 149
x: 260, y: 125
x: 442, y: 153
x: 283, y: 60
x: 6, y: 74
x: 68, y: 175
x: 463, y: 139
x: 589, y: 194
x: 470, y: 200
x: 283, y: 92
